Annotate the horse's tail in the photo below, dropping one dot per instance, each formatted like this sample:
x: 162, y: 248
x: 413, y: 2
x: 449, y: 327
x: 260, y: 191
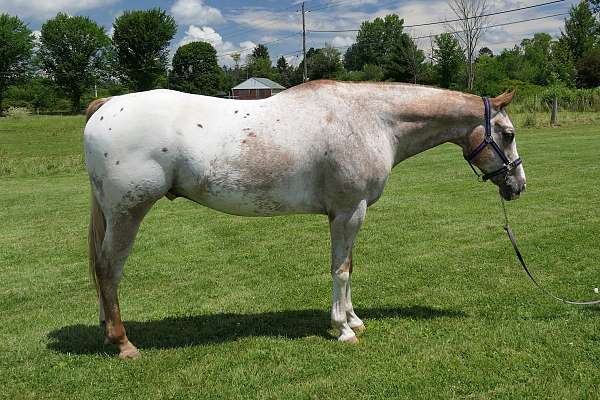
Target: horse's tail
x: 94, y: 106
x: 95, y: 237
x: 97, y: 227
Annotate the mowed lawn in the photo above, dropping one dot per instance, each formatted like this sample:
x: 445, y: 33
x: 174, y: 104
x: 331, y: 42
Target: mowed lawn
x: 225, y: 307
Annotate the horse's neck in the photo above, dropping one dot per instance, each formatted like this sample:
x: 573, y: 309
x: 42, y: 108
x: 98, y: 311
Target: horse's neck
x: 420, y: 118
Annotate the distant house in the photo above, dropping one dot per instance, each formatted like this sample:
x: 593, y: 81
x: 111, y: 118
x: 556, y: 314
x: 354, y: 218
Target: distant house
x: 256, y: 88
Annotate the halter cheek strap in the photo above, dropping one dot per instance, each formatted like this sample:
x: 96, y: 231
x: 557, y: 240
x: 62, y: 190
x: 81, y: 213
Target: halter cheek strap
x: 488, y: 140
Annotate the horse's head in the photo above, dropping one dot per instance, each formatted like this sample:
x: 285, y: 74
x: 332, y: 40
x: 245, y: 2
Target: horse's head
x: 493, y: 149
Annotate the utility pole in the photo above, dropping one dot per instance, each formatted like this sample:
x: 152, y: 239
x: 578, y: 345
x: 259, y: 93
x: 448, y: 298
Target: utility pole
x: 305, y: 74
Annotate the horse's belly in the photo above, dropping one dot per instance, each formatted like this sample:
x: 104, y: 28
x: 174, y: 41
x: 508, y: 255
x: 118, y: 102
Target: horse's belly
x: 248, y: 201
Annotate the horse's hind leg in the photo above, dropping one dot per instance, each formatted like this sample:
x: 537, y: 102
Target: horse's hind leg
x: 344, y: 226
x: 121, y: 229
x: 354, y: 322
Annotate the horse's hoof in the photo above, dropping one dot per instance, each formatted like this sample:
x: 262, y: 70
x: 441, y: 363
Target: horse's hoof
x: 350, y: 340
x: 129, y: 353
x: 359, y: 330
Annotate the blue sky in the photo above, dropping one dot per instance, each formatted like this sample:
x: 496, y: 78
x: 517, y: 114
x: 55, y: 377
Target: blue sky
x: 236, y: 25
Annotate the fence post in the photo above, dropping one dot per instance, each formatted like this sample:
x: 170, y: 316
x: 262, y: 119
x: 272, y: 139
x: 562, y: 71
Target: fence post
x: 554, y: 117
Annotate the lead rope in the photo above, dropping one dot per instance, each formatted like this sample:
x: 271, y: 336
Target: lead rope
x: 511, y: 236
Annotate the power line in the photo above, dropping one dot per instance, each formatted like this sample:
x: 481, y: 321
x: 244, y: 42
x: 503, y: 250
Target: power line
x: 264, y: 44
x: 483, y: 28
x: 452, y: 20
x: 498, y: 25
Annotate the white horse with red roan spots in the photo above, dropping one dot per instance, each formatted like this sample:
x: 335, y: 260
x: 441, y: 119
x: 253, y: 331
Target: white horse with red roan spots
x: 323, y: 147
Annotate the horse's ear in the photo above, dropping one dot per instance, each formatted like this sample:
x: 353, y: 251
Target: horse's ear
x: 503, y: 100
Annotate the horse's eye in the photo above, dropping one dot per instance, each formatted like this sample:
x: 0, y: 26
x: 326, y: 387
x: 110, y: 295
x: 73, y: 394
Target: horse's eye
x: 509, y: 134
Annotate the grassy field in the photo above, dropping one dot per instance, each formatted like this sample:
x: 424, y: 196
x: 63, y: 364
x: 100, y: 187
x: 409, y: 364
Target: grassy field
x: 225, y: 307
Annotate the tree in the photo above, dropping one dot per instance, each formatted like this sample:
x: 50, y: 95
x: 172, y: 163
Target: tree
x: 581, y: 29
x: 537, y: 54
x: 380, y: 42
x: 72, y: 52
x: 260, y: 67
x: 323, y: 63
x: 16, y: 43
x: 510, y: 61
x: 588, y: 69
x: 259, y: 63
x: 486, y: 51
x: 469, y: 30
x: 562, y: 63
x: 405, y: 61
x: 261, y: 51
x: 285, y: 71
x: 141, y: 40
x: 449, y: 59
x: 490, y: 75
x: 196, y: 70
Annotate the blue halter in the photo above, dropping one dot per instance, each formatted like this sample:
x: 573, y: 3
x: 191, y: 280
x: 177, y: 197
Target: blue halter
x: 488, y: 140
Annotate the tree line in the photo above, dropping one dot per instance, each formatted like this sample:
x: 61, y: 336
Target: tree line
x: 73, y: 54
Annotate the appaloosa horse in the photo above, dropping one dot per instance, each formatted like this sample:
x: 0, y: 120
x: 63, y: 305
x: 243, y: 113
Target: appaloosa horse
x: 323, y: 148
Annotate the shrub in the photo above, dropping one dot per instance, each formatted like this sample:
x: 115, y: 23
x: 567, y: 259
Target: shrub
x: 17, y: 112
x: 530, y: 121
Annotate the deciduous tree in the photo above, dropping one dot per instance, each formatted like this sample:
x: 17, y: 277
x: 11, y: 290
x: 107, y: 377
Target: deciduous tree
x: 381, y: 42
x: 588, y: 69
x: 449, y: 59
x: 16, y: 43
x: 72, y: 52
x: 469, y: 29
x: 580, y: 31
x: 195, y: 69
x: 141, y: 40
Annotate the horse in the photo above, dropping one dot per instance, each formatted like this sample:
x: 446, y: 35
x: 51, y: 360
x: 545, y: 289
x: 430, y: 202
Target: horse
x: 322, y: 147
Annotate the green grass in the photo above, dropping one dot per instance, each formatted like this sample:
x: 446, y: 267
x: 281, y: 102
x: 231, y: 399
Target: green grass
x: 230, y: 307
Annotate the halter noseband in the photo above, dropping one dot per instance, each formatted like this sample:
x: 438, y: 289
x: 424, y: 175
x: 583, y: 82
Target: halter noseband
x: 488, y: 140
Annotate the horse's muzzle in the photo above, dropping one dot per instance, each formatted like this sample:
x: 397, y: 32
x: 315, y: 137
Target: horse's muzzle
x: 510, y: 192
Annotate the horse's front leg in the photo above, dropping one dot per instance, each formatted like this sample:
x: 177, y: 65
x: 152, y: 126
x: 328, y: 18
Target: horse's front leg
x: 344, y: 225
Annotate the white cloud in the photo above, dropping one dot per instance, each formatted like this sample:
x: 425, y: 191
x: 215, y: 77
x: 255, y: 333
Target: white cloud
x: 224, y: 48
x: 43, y: 9
x: 342, y: 41
x: 196, y: 12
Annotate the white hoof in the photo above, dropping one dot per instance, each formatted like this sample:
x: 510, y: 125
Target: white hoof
x: 359, y: 329
x: 352, y: 339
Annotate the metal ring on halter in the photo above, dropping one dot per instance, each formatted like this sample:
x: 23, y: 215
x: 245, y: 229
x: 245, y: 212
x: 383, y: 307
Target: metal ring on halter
x: 488, y: 140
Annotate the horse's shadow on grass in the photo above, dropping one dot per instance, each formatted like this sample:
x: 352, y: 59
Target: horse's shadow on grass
x: 218, y: 328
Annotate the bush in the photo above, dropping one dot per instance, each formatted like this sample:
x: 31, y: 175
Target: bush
x: 533, y: 98
x: 17, y: 112
x: 530, y: 121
